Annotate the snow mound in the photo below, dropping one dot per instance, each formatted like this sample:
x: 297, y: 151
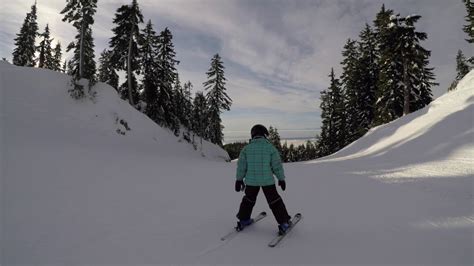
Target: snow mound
x: 436, y: 140
x: 36, y: 108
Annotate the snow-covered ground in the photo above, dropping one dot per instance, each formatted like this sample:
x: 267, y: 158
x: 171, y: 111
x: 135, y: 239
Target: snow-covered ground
x: 74, y: 191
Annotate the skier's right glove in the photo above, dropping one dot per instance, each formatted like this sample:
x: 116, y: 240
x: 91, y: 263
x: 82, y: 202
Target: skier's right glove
x: 239, y: 185
x: 282, y: 184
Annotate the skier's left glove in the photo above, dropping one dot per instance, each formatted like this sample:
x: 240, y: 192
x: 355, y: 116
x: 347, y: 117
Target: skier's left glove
x: 239, y: 185
x: 282, y: 184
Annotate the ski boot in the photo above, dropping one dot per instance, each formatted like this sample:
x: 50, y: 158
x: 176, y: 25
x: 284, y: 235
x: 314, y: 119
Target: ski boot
x: 242, y: 224
x: 283, y: 228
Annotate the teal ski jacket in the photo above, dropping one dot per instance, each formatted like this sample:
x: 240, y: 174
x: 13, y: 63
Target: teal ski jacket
x: 258, y: 162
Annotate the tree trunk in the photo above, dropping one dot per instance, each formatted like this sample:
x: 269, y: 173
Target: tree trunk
x: 81, y: 49
x: 129, y: 71
x: 406, y: 90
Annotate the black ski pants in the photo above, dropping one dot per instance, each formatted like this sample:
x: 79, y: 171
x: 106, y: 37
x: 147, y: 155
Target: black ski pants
x: 274, y: 201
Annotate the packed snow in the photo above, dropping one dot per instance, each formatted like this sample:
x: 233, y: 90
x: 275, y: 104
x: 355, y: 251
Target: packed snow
x: 75, y: 190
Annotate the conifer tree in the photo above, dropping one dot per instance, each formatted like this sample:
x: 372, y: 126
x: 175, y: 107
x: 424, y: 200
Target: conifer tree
x: 81, y: 14
x: 25, y: 42
x: 187, y: 110
x: 166, y: 75
x: 107, y: 73
x: 285, y: 152
x: 405, y: 78
x: 469, y: 27
x: 45, y: 58
x: 150, y: 65
x: 389, y: 94
x: 199, y: 117
x: 274, y: 138
x: 350, y: 80
x: 124, y: 47
x: 187, y: 105
x: 65, y: 65
x: 462, y: 67
x: 332, y: 137
x: 217, y: 99
x: 368, y: 78
x: 177, y: 110
x: 57, y: 57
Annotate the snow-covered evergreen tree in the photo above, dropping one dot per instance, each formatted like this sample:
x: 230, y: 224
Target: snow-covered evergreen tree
x: 187, y: 109
x: 350, y: 80
x: 462, y: 68
x: 57, y: 57
x: 469, y: 27
x: 368, y: 77
x: 81, y: 14
x: 389, y: 94
x: 149, y: 67
x: 166, y: 75
x: 199, y: 121
x: 177, y: 110
x: 274, y: 138
x: 107, y: 73
x: 405, y: 78
x: 124, y: 47
x: 188, y: 104
x: 332, y: 136
x: 217, y: 99
x: 25, y: 42
x: 45, y: 58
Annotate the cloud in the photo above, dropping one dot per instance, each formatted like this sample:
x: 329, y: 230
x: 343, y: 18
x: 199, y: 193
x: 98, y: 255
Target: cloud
x: 277, y: 53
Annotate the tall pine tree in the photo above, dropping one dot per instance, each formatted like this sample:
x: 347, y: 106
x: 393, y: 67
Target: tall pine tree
x: 350, y: 80
x: 57, y: 57
x: 368, y: 77
x: 469, y: 27
x: 217, y: 99
x: 45, y: 58
x: 124, y: 46
x: 81, y: 14
x: 405, y: 78
x: 25, y: 42
x: 274, y: 138
x: 332, y: 136
x: 389, y: 94
x: 150, y: 66
x: 166, y: 75
x: 199, y: 119
x: 462, y: 68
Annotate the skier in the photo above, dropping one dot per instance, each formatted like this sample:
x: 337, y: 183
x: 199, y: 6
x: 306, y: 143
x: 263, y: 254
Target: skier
x: 258, y: 162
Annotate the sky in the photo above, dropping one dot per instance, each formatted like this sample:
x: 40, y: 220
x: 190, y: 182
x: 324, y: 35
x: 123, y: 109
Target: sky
x: 277, y: 53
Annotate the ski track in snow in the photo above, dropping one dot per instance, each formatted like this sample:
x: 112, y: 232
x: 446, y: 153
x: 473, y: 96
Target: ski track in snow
x: 73, y: 191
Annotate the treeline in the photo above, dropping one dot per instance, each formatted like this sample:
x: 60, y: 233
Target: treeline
x: 463, y: 64
x: 385, y: 75
x: 147, y: 58
x: 288, y: 153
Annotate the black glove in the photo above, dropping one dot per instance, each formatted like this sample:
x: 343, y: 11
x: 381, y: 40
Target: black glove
x: 282, y: 184
x: 239, y: 185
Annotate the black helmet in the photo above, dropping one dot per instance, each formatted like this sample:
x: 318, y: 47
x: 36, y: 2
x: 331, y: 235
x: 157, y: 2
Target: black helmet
x: 259, y: 130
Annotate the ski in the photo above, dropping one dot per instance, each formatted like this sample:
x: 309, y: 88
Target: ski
x: 279, y: 238
x: 234, y: 232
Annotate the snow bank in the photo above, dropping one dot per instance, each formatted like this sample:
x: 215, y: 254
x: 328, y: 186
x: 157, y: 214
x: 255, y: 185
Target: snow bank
x: 74, y: 191
x: 36, y: 107
x: 431, y: 138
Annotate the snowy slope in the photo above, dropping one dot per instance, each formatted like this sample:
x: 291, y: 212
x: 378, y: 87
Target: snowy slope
x: 39, y: 108
x: 73, y: 191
